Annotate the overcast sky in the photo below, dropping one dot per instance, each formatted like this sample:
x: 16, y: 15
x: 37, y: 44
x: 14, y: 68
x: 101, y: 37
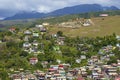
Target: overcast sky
x: 13, y: 6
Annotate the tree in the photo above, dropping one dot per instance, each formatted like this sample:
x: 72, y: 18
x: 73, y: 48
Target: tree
x: 117, y: 52
x: 24, y: 54
x: 4, y: 75
x: 39, y: 65
x: 60, y: 33
x: 87, y: 16
x: 113, y: 59
x: 41, y: 57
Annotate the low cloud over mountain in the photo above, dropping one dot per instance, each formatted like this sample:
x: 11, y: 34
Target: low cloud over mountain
x: 67, y: 10
x: 10, y: 7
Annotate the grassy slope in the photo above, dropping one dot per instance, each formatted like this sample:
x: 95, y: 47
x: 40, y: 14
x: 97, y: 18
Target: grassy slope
x: 104, y: 27
x: 18, y: 23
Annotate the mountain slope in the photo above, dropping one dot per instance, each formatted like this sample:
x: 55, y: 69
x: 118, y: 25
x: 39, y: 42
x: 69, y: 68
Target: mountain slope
x: 26, y: 15
x: 78, y: 9
x: 67, y: 10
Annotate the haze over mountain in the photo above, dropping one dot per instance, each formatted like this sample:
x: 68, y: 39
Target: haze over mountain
x: 67, y: 10
x: 82, y: 9
x: 9, y: 8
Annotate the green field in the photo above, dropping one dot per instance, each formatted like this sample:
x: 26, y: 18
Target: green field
x: 104, y: 27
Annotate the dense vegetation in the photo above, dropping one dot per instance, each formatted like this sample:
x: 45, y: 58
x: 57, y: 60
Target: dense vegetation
x: 13, y: 56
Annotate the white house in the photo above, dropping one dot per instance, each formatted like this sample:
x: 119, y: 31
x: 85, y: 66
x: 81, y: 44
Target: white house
x: 45, y: 24
x: 27, y: 32
x: 26, y: 45
x: 35, y: 34
x: 33, y: 61
x: 38, y: 26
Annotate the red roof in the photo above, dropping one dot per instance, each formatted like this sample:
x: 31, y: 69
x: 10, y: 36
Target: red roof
x: 12, y: 28
x: 80, y: 78
x: 52, y: 69
x: 33, y: 58
x: 118, y: 78
x: 61, y: 65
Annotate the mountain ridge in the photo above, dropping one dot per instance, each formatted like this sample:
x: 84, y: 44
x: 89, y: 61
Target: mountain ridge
x: 84, y: 8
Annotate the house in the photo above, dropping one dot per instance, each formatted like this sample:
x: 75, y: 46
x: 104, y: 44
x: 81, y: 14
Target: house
x: 38, y: 26
x: 62, y: 72
x: 90, y: 62
x: 80, y: 78
x: 88, y: 22
x: 12, y: 29
x: 91, y: 67
x: 61, y: 78
x: 26, y: 38
x: 54, y: 67
x: 69, y: 76
x: 103, y: 15
x: 83, y: 71
x: 27, y: 32
x: 83, y: 57
x: 45, y: 24
x: 41, y: 28
x: 35, y: 43
x: 111, y: 71
x: 33, y: 49
x: 48, y: 76
x: 78, y: 60
x: 111, y: 54
x: 26, y: 45
x: 16, y: 77
x: 31, y: 77
x: 98, y: 69
x: 33, y: 60
x: 66, y: 66
x: 54, y: 35
x: 118, y: 37
x: 19, y: 77
x: 60, y: 40
x: 117, y: 78
x: 118, y: 62
x: 118, y: 45
x: 40, y: 75
x: 35, y: 34
x: 44, y: 64
x: 95, y: 58
x: 58, y: 61
x: 95, y: 75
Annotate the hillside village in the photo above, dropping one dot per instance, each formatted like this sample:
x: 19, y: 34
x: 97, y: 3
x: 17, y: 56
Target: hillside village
x: 37, y: 54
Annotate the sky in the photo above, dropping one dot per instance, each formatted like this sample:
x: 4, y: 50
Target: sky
x: 13, y: 6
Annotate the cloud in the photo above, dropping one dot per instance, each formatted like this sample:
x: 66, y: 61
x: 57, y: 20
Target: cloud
x: 14, y: 6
